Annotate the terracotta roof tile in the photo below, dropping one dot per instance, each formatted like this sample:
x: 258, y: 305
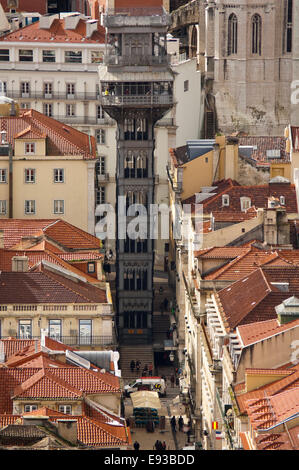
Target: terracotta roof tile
x: 258, y: 331
x: 57, y: 31
x: 258, y: 195
x: 61, y: 138
x: 47, y: 287
x: 263, y: 144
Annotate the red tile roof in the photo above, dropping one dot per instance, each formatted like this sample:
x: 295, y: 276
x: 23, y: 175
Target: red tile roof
x: 61, y: 138
x: 68, y: 236
x: 289, y: 380
x: 258, y: 331
x: 57, y: 31
x: 258, y: 195
x: 253, y: 298
x: 263, y: 144
x: 249, y: 259
x: 234, y: 217
x: 47, y: 287
x: 37, y: 257
x: 270, y: 411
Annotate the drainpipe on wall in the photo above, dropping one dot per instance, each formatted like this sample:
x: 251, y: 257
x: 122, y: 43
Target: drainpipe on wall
x: 10, y: 183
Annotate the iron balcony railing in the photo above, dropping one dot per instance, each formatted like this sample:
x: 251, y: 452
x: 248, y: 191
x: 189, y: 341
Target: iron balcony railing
x: 83, y: 120
x: 126, y: 60
x: 41, y: 95
x: 126, y: 100
x: 75, y: 340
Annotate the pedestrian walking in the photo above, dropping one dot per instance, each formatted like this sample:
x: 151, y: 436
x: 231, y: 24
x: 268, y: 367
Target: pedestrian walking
x: 165, y: 303
x: 173, y: 424
x: 132, y: 365
x: 144, y: 372
x: 150, y: 369
x: 136, y: 445
x: 180, y: 423
x: 138, y: 363
x: 164, y: 446
x: 160, y: 290
x: 158, y: 445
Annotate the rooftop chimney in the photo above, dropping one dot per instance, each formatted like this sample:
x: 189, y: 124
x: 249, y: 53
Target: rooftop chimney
x: 45, y: 22
x: 91, y: 26
x: 20, y: 264
x: 67, y: 429
x: 71, y: 22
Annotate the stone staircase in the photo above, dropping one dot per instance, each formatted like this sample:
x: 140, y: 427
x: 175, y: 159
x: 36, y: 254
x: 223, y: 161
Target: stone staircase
x: 128, y: 352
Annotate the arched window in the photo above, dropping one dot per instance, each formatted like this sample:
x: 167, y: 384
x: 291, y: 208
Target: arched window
x: 232, y: 39
x: 256, y: 26
x: 194, y: 42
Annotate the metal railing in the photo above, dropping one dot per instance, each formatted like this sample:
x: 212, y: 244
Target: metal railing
x: 75, y: 340
x: 41, y: 95
x: 119, y: 100
x: 144, y: 60
x: 82, y: 120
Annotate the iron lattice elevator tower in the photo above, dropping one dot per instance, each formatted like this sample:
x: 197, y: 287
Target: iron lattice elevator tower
x: 136, y: 88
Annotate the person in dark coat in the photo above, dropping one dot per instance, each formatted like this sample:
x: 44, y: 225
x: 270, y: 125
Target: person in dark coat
x: 132, y: 365
x: 136, y: 445
x: 138, y: 365
x: 180, y: 423
x: 163, y: 445
x: 173, y: 423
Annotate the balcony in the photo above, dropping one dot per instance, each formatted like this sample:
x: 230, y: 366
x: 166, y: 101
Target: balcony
x: 137, y: 100
x: 81, y: 120
x: 146, y: 61
x: 75, y: 340
x: 104, y: 178
x: 40, y: 95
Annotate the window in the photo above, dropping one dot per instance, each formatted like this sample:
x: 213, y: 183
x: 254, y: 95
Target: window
x: 91, y: 267
x: 100, y: 112
x: 58, y: 175
x: 48, y: 109
x: 26, y: 55
x: 3, y: 175
x: 232, y: 41
x: 186, y: 85
x: 29, y: 408
x: 25, y: 105
x: 70, y: 110
x: 225, y: 200
x: 29, y: 175
x: 73, y: 57
x: 25, y: 329
x: 25, y: 88
x: 58, y: 206
x: 97, y: 57
x: 100, y: 195
x: 256, y: 45
x: 3, y: 87
x: 48, y: 56
x: 70, y: 88
x: 29, y: 207
x: 4, y: 55
x: 29, y: 148
x: 55, y: 330
x: 67, y: 409
x: 2, y: 207
x: 245, y: 203
x: 282, y: 200
x: 85, y: 330
x: 48, y: 88
x: 100, y: 136
x: 101, y: 166
x: 288, y: 26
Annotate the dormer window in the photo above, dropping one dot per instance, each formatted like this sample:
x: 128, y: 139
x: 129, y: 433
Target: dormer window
x: 245, y: 203
x: 225, y: 200
x: 29, y: 148
x: 282, y: 200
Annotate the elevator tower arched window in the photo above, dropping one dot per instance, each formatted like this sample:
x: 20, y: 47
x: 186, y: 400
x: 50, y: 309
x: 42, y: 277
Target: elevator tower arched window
x: 232, y: 39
